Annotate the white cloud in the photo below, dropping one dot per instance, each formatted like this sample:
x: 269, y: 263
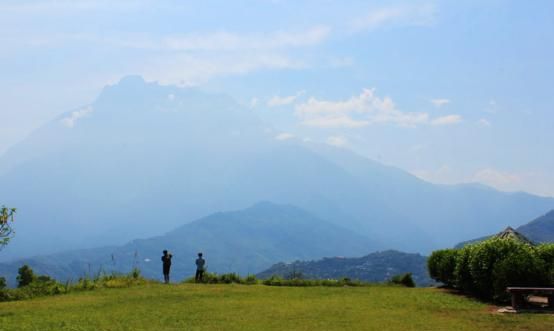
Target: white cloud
x: 74, y: 116
x: 421, y: 14
x: 62, y: 7
x: 190, y: 70
x: 440, y: 102
x: 277, y: 101
x: 499, y: 179
x: 484, y: 123
x: 253, y: 103
x: 284, y: 136
x: 447, y: 120
x: 337, y: 141
x: 362, y: 110
x: 227, y: 41
x: 337, y: 121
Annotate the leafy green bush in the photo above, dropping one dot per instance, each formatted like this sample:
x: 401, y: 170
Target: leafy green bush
x: 404, y: 280
x: 485, y: 269
x: 546, y: 254
x: 229, y: 278
x: 44, y: 285
x: 442, y: 264
x: 462, y: 274
x: 519, y: 267
x: 497, y: 263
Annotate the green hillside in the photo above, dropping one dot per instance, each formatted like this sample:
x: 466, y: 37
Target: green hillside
x: 374, y: 267
x: 238, y: 307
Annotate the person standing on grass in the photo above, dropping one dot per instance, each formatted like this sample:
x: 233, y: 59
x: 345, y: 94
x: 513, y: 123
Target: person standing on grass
x: 200, y: 263
x: 166, y: 260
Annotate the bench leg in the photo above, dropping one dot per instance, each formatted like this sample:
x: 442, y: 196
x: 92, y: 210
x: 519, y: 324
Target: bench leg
x: 551, y: 301
x: 517, y: 300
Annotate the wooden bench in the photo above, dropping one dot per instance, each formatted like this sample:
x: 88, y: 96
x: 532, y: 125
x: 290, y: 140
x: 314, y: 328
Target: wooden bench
x: 519, y: 294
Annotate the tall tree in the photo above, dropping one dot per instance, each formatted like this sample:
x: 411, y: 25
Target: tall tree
x: 6, y: 229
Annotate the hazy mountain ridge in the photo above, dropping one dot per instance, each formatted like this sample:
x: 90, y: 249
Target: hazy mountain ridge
x: 144, y: 158
x: 374, y: 267
x: 244, y: 241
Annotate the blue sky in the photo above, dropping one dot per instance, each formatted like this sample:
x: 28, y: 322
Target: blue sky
x: 451, y: 91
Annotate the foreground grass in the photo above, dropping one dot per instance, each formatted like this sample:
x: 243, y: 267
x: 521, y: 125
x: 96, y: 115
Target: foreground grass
x: 256, y: 307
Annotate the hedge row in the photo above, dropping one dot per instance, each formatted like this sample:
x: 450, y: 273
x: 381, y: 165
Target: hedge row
x: 485, y: 269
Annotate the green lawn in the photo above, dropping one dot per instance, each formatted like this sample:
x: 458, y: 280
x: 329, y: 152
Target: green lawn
x: 240, y: 307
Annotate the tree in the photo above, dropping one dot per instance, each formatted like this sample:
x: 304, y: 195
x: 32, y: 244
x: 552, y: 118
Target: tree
x: 25, y: 276
x: 6, y: 230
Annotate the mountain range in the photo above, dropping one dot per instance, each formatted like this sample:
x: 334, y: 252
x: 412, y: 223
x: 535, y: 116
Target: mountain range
x: 145, y: 158
x: 245, y: 241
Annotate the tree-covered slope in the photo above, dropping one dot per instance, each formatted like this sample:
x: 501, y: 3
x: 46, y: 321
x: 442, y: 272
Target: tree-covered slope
x: 375, y: 267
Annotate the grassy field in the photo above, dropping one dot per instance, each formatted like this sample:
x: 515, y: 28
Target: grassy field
x: 240, y: 307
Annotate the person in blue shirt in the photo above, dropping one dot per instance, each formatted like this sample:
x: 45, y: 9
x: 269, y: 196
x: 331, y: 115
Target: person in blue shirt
x: 200, y: 265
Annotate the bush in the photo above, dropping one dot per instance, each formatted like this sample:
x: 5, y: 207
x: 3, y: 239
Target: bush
x: 497, y: 263
x: 485, y: 269
x: 229, y: 278
x: 441, y: 265
x: 3, y: 284
x: 44, y: 285
x: 520, y: 267
x: 546, y: 254
x: 462, y: 275
x: 404, y: 280
x: 25, y: 276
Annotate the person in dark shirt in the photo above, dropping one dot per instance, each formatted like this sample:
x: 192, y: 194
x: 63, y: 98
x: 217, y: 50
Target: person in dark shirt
x: 200, y: 263
x: 166, y: 260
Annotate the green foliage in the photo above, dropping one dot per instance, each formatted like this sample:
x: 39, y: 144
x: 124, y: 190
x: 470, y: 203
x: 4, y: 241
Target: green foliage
x: 442, y: 264
x: 486, y: 268
x: 31, y: 286
x: 6, y: 230
x: 229, y: 278
x: 462, y: 274
x: 25, y: 276
x: 2, y: 283
x: 404, y: 280
x: 546, y: 254
x: 278, y: 281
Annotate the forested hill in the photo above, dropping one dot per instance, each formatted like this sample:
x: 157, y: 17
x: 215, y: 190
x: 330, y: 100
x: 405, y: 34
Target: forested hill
x: 375, y: 267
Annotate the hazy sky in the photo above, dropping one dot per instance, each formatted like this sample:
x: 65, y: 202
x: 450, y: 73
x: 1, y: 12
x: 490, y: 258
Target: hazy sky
x: 452, y: 91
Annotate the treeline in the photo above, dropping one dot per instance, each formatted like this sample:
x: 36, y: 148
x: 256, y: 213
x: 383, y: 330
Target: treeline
x: 487, y: 268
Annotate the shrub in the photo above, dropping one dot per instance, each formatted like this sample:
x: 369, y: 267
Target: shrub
x: 441, y: 265
x: 404, y: 280
x: 485, y: 269
x: 546, y: 254
x: 25, y: 276
x: 497, y: 263
x: 3, y: 284
x: 462, y: 275
x: 519, y: 267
